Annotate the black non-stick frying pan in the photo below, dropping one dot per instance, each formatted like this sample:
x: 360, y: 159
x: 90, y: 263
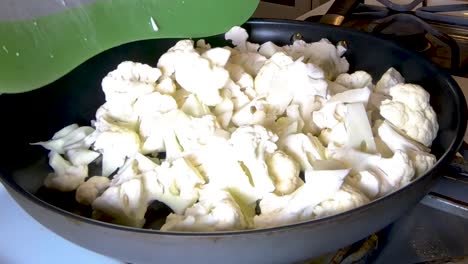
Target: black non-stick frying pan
x: 36, y: 115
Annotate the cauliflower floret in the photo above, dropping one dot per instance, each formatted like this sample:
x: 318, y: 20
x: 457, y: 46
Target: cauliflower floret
x: 281, y: 79
x: 217, y: 56
x: 192, y: 106
x: 225, y: 173
x: 154, y: 103
x: 216, y: 210
x: 69, y: 137
x: 421, y: 159
x: 66, y: 176
x: 175, y: 184
x: 322, y: 53
x: 292, y: 123
x: 303, y: 148
x: 126, y: 204
x: 269, y: 48
x: 166, y: 86
x: 397, y: 171
x: 116, y: 145
x: 193, y: 72
x: 129, y: 81
x: 389, y: 79
x: 79, y: 157
x: 285, y: 173
x: 251, y: 144
x: 88, y: 191
x: 251, y: 62
x: 336, y: 135
x: 244, y: 80
x: 256, y: 112
x: 368, y: 183
x: 239, y: 37
x: 343, y: 200
x: 355, y: 80
x: 298, y: 206
x: 409, y: 110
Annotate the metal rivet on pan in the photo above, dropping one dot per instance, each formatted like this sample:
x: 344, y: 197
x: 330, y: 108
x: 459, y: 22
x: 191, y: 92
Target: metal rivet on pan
x: 296, y: 36
x: 343, y: 43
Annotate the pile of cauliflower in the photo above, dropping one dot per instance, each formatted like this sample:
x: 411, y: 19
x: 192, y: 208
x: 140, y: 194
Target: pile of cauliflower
x: 254, y: 136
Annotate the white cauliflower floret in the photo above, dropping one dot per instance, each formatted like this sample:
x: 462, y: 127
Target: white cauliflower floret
x: 88, y: 191
x: 126, y: 204
x: 343, y: 200
x: 225, y: 173
x: 269, y: 48
x: 66, y: 176
x: 216, y: 210
x: 81, y: 156
x: 389, y: 79
x: 251, y: 144
x: 298, y: 206
x: 251, y: 62
x: 244, y: 81
x: 355, y: 80
x: 69, y: 137
x: 336, y: 135
x: 421, y: 159
x: 194, y: 107
x: 256, y: 112
x: 303, y: 148
x: 154, y: 103
x: 175, y: 184
x: 281, y: 79
x: 166, y: 86
x: 322, y: 53
x: 217, y: 56
x: 193, y: 72
x: 292, y: 123
x: 368, y: 183
x: 239, y: 36
x: 397, y: 171
x: 129, y: 81
x: 409, y: 110
x: 285, y: 172
x: 116, y: 145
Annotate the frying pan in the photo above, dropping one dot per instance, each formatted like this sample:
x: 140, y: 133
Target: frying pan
x: 74, y: 98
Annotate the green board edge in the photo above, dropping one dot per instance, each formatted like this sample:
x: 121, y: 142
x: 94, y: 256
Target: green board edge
x: 36, y: 52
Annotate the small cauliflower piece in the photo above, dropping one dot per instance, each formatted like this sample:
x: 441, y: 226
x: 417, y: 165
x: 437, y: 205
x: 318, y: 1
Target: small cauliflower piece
x: 343, y: 200
x: 321, y: 53
x: 129, y: 81
x: 175, y: 184
x: 281, y: 78
x: 368, y: 183
x: 397, y: 171
x: 421, y: 159
x: 355, y: 80
x: 88, y: 191
x: 194, y: 107
x: 389, y: 79
x: 69, y: 137
x: 285, y: 172
x: 116, y: 145
x: 66, y: 176
x: 126, y: 204
x: 79, y: 157
x: 256, y: 112
x: 303, y: 148
x: 225, y: 173
x: 269, y: 48
x: 193, y: 72
x: 216, y: 210
x: 298, y: 206
x: 154, y: 103
x: 251, y: 144
x: 409, y: 110
x: 166, y: 86
x: 239, y: 36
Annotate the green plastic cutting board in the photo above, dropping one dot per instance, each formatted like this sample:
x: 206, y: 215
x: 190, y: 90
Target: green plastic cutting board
x: 40, y: 41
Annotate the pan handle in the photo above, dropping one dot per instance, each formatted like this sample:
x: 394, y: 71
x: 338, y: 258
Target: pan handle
x: 338, y: 11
